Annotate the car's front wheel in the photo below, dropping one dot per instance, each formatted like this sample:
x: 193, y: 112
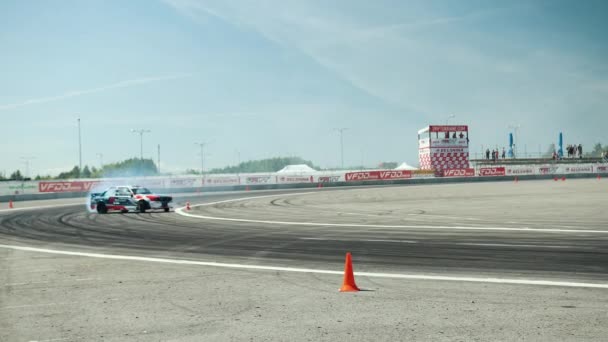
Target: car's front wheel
x: 101, y: 208
x: 141, y: 206
x: 167, y: 210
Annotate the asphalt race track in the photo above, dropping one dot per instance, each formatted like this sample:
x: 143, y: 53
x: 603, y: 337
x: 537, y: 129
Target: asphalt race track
x: 532, y: 230
x: 506, y: 229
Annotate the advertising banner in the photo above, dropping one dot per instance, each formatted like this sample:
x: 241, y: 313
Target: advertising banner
x: 448, y: 128
x: 18, y: 188
x: 520, y: 170
x: 459, y: 172
x: 492, y: 171
x: 601, y: 169
x: 295, y: 179
x: 578, y: 169
x: 78, y: 186
x: 378, y: 175
x: 449, y: 144
x: 183, y: 182
x: 223, y: 181
x: 548, y: 170
x: 328, y: 179
x: 258, y: 179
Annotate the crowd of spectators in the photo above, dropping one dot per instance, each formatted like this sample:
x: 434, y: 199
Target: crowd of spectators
x: 496, y: 154
x: 574, y: 151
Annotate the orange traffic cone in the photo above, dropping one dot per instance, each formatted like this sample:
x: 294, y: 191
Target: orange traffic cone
x: 348, y: 284
x: 555, y: 179
x: 516, y: 180
x: 247, y: 188
x: 187, y: 205
x: 10, y: 204
x: 320, y: 186
x: 599, y: 177
x: 563, y: 178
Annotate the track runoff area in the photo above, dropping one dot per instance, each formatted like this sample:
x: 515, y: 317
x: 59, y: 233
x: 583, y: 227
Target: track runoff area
x: 535, y: 240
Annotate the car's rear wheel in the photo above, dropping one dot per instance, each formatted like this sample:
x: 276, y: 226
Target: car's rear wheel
x: 167, y: 210
x: 101, y: 208
x: 141, y: 206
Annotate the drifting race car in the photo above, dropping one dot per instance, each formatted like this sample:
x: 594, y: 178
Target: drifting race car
x: 129, y: 198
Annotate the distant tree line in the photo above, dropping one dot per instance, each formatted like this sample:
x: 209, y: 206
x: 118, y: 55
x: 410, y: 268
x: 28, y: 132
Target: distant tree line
x: 597, y: 151
x: 127, y: 168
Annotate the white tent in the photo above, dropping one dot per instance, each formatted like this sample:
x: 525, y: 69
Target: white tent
x: 293, y: 169
x: 405, y: 166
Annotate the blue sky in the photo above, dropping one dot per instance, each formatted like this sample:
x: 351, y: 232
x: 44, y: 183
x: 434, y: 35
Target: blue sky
x: 272, y: 78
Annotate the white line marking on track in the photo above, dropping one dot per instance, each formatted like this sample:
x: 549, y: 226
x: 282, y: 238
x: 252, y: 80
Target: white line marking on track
x: 310, y: 270
x: 42, y: 207
x: 180, y: 211
x: 30, y: 283
x: 362, y: 240
x: 447, y: 243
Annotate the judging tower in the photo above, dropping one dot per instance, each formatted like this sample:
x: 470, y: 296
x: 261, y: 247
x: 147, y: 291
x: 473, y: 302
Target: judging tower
x: 443, y: 147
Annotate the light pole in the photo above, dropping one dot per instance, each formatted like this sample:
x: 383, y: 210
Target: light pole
x: 26, y: 161
x: 447, y: 120
x: 202, y: 146
x: 341, y: 131
x: 141, y: 140
x: 79, y: 150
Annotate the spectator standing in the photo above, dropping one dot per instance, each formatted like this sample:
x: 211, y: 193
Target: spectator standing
x: 504, y: 153
x: 580, y: 151
x: 488, y: 154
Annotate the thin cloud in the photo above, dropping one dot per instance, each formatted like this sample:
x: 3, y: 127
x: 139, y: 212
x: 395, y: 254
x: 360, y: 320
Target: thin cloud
x: 75, y: 93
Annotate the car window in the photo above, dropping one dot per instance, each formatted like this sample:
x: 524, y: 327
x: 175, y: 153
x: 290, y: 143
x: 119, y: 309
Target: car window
x: 123, y: 192
x: 141, y: 191
x: 109, y: 193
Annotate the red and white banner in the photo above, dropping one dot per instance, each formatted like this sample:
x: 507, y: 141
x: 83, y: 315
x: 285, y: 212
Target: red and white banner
x: 378, y: 175
x: 66, y: 186
x: 459, y: 173
x: 295, y: 179
x: 492, y: 171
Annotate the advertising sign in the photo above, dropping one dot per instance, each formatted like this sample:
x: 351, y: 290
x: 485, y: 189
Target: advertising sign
x: 492, y: 171
x: 449, y: 143
x: 448, y: 128
x: 459, y: 172
x: 182, y: 182
x: 519, y: 171
x: 258, y: 179
x: 328, y: 179
x: 579, y: 169
x: 295, y: 179
x: 218, y: 181
x: 66, y: 186
x: 378, y: 175
x: 548, y: 170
